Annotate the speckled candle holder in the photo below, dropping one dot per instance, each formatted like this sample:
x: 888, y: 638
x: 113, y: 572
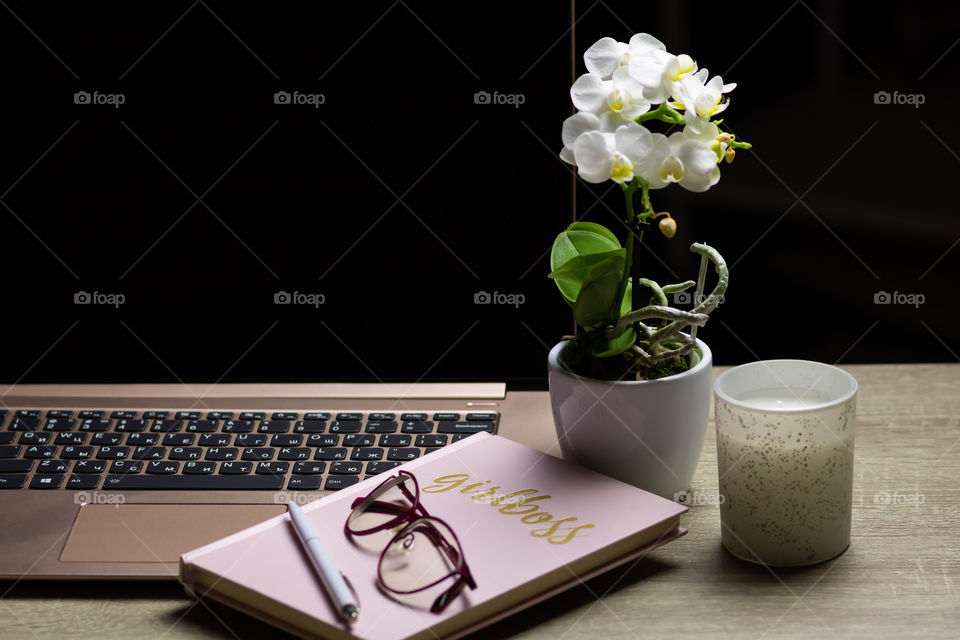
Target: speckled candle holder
x: 785, y: 431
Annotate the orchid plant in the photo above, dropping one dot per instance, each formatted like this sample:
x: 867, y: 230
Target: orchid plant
x: 626, y: 86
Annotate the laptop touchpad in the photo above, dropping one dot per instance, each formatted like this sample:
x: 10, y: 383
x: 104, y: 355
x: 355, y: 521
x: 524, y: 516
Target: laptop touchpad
x: 155, y: 532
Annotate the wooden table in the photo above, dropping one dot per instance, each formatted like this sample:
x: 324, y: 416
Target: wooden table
x: 898, y: 579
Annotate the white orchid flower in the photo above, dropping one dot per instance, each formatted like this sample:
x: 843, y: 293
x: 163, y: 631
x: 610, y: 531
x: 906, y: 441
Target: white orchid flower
x: 621, y: 94
x: 659, y: 71
x: 582, y: 122
x: 617, y: 156
x: 695, y: 94
x: 702, y: 129
x: 606, y: 55
x: 692, y: 164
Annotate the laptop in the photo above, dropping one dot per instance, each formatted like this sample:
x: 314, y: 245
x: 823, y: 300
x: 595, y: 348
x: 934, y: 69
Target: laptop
x: 233, y: 289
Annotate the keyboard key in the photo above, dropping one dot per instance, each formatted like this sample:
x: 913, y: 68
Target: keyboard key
x: 284, y: 415
x: 156, y: 415
x: 182, y: 439
x: 238, y: 426
x: 309, y: 468
x: 332, y: 453
x: 12, y: 481
x: 374, y: 468
x: 90, y: 413
x: 274, y: 426
x: 126, y: 466
x: 395, y: 440
x: 9, y: 452
x: 481, y: 417
x: 387, y: 426
x: 113, y: 453
x: 71, y: 452
x: 446, y: 416
x: 460, y: 436
x: 316, y: 415
x: 200, y: 467
x: 220, y: 415
x: 447, y: 426
x: 323, y: 440
x: 304, y: 483
x: 273, y: 468
x: 39, y: 452
x: 6, y: 437
x: 106, y: 438
x: 349, y: 416
x: 252, y: 415
x: 70, y: 438
x: 186, y: 453
x: 121, y: 415
x: 34, y: 437
x: 82, y: 482
x: 52, y: 466
x: 286, y: 440
x: 166, y: 426
x: 51, y: 481
x: 250, y: 440
x: 222, y: 453
x: 59, y: 413
x: 431, y: 440
x: 164, y: 467
x: 215, y: 440
x: 293, y: 453
x: 89, y: 466
x: 59, y: 424
x: 27, y: 413
x: 130, y: 425
x: 96, y: 425
x: 149, y: 453
x: 359, y: 440
x: 142, y: 439
x: 258, y: 453
x: 202, y: 426
x: 367, y: 453
x: 310, y: 426
x: 335, y: 483
x: 24, y: 424
x: 16, y: 466
x: 381, y: 417
x: 200, y: 482
x: 236, y: 468
x: 345, y: 426
x: 417, y: 426
x: 403, y: 453
x: 188, y: 415
x: 346, y: 468
x: 415, y: 417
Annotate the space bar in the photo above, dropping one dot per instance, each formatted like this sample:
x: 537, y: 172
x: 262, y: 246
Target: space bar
x: 192, y: 482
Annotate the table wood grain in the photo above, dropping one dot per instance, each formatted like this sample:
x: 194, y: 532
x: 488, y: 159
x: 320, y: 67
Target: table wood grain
x: 899, y: 578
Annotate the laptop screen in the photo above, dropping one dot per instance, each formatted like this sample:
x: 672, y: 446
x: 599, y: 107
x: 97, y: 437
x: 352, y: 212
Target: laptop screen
x: 344, y: 191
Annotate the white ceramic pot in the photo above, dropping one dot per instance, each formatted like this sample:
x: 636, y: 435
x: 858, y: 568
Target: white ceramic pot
x: 648, y: 433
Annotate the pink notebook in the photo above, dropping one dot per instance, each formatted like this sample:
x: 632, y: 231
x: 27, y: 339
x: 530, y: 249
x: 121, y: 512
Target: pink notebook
x: 583, y: 524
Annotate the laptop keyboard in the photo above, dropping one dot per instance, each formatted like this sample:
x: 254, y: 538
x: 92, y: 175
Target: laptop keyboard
x: 213, y: 450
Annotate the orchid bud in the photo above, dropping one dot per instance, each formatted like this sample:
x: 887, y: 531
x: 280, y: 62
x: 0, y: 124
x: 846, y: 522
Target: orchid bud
x: 730, y: 153
x: 668, y: 226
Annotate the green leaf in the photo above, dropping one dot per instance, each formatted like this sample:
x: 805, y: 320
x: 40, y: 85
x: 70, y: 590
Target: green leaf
x: 621, y: 343
x: 599, y: 292
x: 578, y: 250
x: 626, y: 305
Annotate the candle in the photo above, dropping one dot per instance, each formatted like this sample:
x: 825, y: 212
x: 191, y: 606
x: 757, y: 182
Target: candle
x: 785, y: 437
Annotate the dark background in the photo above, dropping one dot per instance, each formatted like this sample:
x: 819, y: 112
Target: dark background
x: 400, y: 198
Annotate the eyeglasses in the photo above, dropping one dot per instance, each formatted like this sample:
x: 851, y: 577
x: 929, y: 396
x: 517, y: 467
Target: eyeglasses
x: 421, y: 552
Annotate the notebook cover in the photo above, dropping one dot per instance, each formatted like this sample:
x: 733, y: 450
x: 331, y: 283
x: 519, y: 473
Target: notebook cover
x: 566, y: 526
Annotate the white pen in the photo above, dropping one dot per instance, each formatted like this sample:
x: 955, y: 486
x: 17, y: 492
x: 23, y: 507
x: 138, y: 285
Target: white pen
x: 333, y: 581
